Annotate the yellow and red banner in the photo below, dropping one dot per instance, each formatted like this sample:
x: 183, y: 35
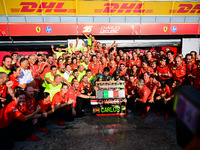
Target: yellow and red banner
x: 64, y: 29
x: 79, y: 7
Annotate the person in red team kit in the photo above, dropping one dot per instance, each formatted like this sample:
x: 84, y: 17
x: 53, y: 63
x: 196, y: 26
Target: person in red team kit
x: 74, y: 64
x: 134, y: 71
x: 8, y: 115
x: 162, y: 92
x: 170, y: 57
x: 196, y: 75
x: 135, y: 61
x: 94, y: 65
x: 14, y: 74
x: 59, y: 106
x: 73, y: 93
x: 149, y: 58
x: 194, y: 54
x: 112, y: 67
x: 103, y: 63
x: 189, y: 68
x: 122, y: 69
x: 84, y: 86
x: 130, y: 90
x: 178, y: 70
x: 5, y: 90
x: 151, y: 83
x: 144, y: 93
x: 145, y: 68
x: 163, y: 71
x: 45, y: 67
x: 118, y: 61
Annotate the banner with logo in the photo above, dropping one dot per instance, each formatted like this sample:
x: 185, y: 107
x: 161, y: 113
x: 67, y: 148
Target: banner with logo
x: 64, y: 29
x: 79, y: 7
x: 110, y: 98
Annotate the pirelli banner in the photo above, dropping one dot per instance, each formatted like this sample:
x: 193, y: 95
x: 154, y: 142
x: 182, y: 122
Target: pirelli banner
x: 110, y: 98
x: 89, y: 7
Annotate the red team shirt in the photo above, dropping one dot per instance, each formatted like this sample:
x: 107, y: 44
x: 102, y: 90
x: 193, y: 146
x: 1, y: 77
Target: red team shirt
x: 144, y: 93
x: 35, y: 72
x: 196, y: 73
x: 14, y: 80
x: 135, y: 62
x: 44, y: 106
x: 82, y: 87
x: 130, y: 86
x: 179, y: 73
x: 58, y: 98
x: 190, y: 67
x: 151, y: 61
x: 166, y: 90
x: 94, y: 67
x: 163, y: 70
x: 3, y: 90
x: 143, y: 70
x: 31, y: 105
x: 46, y: 69
x: 9, y: 113
x: 112, y: 71
x: 72, y: 94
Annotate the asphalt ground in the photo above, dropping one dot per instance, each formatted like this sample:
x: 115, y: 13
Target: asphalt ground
x: 93, y: 132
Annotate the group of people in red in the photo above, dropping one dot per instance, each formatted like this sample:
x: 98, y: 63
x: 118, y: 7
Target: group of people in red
x: 42, y: 87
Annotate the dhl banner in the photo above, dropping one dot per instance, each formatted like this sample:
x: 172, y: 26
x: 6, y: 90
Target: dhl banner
x: 65, y: 29
x: 84, y: 7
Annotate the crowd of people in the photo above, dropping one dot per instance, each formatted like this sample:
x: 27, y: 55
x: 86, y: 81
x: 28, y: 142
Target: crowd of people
x: 57, y: 86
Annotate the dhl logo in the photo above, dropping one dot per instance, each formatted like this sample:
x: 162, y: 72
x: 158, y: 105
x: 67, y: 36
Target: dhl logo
x: 123, y: 8
x: 137, y: 8
x: 43, y: 7
x: 187, y: 8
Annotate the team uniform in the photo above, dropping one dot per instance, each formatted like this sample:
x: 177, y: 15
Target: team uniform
x: 135, y: 62
x: 94, y: 67
x: 3, y: 70
x: 14, y: 80
x: 179, y: 73
x: 62, y: 114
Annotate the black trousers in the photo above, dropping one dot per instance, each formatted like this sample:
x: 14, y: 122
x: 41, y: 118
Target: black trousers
x: 64, y: 115
x: 160, y: 105
x: 130, y: 102
x: 143, y: 106
x: 6, y: 142
x: 81, y: 103
x: 42, y: 122
x: 22, y: 130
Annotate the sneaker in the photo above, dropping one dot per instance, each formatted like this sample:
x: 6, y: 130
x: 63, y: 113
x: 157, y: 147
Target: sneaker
x: 43, y: 130
x: 147, y: 108
x: 33, y: 138
x: 158, y: 114
x: 144, y: 115
x: 166, y: 117
x: 60, y: 123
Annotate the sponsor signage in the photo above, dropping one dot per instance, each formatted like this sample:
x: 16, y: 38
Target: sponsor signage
x: 110, y: 98
x: 106, y: 109
x: 48, y: 29
x: 70, y: 7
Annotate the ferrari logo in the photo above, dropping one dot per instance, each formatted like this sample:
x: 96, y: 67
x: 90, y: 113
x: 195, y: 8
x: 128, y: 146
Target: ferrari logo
x: 165, y: 29
x: 38, y: 29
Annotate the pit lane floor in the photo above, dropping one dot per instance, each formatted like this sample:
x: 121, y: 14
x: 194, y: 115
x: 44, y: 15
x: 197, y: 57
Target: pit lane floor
x: 129, y: 132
